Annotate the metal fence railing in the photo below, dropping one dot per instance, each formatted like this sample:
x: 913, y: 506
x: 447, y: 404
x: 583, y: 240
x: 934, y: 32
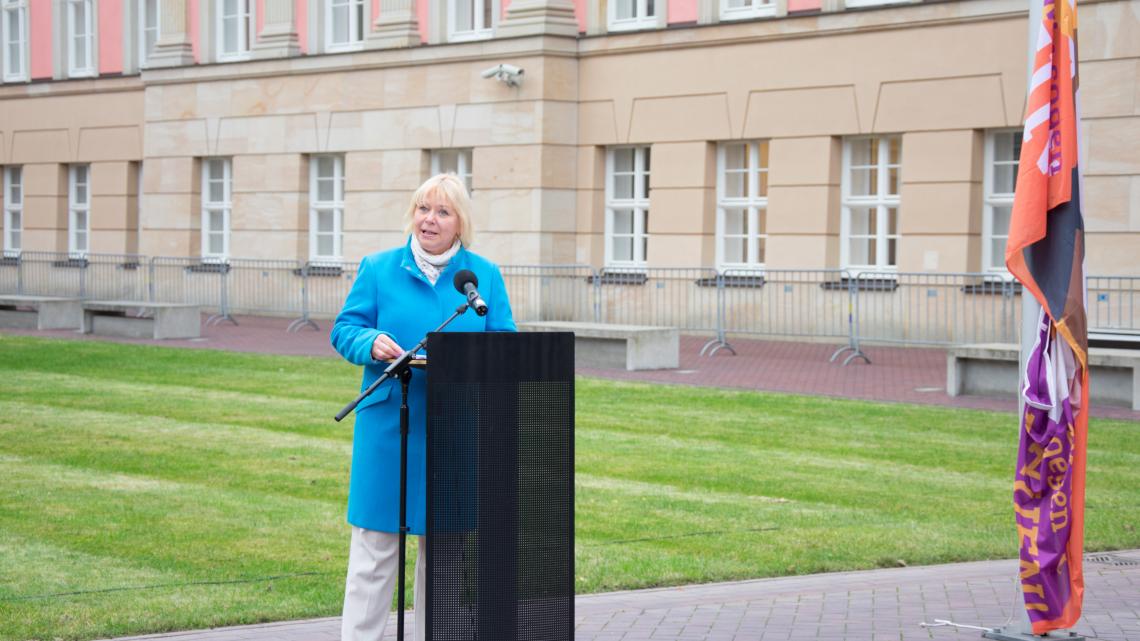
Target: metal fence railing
x: 853, y: 308
x: 1113, y: 303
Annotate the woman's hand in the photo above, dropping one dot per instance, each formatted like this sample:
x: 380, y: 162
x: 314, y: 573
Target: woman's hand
x: 384, y: 348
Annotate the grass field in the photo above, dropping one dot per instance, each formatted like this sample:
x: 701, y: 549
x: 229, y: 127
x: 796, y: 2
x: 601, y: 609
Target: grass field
x: 149, y: 489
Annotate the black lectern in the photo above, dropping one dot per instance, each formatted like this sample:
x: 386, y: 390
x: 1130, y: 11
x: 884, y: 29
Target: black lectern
x: 500, y: 502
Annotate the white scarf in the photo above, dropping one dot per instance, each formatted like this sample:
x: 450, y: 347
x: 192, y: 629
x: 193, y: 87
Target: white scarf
x: 432, y: 264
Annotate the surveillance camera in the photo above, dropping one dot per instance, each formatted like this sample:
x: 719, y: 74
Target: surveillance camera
x: 509, y: 74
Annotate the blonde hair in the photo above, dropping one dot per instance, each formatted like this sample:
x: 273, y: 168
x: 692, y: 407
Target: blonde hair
x: 450, y: 188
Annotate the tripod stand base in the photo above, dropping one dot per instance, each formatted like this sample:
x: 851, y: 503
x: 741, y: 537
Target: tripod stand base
x: 1010, y: 633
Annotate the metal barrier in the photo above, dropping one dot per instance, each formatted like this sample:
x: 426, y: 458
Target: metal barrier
x: 667, y: 297
x: 1113, y: 303
x: 904, y: 308
x: 323, y: 289
x: 552, y: 292
x: 96, y: 276
x: 934, y: 309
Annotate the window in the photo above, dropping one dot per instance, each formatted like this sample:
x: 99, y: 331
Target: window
x: 627, y: 206
x: 1003, y: 151
x: 326, y: 213
x: 625, y: 15
x: 13, y: 210
x: 148, y: 28
x: 453, y: 161
x: 217, y: 201
x: 742, y: 203
x: 345, y: 24
x: 80, y: 38
x: 79, y: 210
x: 870, y: 226
x: 741, y: 9
x: 235, y: 28
x: 471, y: 19
x: 14, y: 36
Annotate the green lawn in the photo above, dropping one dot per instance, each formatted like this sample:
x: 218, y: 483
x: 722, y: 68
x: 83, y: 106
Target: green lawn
x: 149, y: 489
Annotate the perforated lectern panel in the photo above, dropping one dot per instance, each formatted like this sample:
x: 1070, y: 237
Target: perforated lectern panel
x: 500, y: 463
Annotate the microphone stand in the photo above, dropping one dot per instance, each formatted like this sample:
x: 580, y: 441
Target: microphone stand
x: 401, y: 368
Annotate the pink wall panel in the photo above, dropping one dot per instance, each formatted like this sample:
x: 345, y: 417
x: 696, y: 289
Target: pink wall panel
x: 195, y: 31
x: 259, y: 11
x: 580, y: 14
x: 110, y: 36
x: 804, y: 5
x: 375, y: 14
x: 39, y: 34
x: 302, y: 10
x: 422, y: 18
x: 503, y: 4
x: 682, y: 11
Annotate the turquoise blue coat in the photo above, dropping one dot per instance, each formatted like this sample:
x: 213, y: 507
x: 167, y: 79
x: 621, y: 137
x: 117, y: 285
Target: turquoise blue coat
x: 392, y: 296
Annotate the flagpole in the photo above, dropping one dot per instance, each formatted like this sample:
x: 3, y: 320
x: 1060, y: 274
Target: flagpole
x: 1022, y: 629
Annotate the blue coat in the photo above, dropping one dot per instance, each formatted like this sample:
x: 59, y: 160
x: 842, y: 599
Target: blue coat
x: 392, y: 296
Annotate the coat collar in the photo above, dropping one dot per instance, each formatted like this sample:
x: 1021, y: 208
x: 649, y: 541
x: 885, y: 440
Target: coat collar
x: 408, y: 261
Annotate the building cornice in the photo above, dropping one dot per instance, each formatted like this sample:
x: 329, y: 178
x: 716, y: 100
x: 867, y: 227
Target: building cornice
x: 73, y: 87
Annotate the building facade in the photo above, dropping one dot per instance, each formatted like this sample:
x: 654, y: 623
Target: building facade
x: 737, y: 134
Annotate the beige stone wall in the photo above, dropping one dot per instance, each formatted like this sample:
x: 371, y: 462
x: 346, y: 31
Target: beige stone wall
x: 938, y: 74
x: 48, y: 126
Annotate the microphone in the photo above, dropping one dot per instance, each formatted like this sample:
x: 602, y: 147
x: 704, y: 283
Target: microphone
x: 465, y: 283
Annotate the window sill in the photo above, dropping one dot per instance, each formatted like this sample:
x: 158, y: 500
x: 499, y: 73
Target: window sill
x: 743, y: 281
x: 861, y: 284
x: 346, y: 47
x: 619, y: 278
x: 71, y: 263
x: 470, y: 36
x: 730, y: 15
x: 999, y: 287
x: 324, y: 270
x: 209, y: 267
x: 635, y: 25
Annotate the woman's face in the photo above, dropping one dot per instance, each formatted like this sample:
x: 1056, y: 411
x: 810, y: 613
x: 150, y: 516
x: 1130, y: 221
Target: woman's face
x: 435, y: 224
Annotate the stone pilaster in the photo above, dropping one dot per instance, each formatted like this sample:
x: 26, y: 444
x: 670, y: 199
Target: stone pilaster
x: 396, y: 26
x: 539, y: 17
x: 278, y: 38
x: 173, y: 48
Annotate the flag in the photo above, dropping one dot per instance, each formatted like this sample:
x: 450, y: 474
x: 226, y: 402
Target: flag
x: 1045, y: 252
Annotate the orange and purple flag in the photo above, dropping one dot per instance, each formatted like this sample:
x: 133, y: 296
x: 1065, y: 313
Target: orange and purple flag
x: 1046, y: 253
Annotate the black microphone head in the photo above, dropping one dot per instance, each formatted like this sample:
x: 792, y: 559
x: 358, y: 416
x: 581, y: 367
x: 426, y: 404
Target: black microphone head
x: 464, y: 276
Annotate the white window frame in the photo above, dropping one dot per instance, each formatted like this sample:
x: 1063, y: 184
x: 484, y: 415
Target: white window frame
x: 76, y: 207
x: 336, y: 206
x: 755, y: 204
x: 994, y: 199
x: 754, y: 9
x: 479, y: 30
x: 77, y: 29
x: 223, y: 206
x: 463, y: 158
x: 149, y: 10
x: 244, y: 32
x: 357, y: 23
x: 641, y: 19
x: 14, y: 10
x: 881, y: 201
x: 13, y: 208
x: 639, y: 203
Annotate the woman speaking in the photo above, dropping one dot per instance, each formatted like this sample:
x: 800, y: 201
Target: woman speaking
x: 398, y: 297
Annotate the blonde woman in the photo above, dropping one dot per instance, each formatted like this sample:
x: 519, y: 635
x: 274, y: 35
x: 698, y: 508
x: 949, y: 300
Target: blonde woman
x: 399, y: 296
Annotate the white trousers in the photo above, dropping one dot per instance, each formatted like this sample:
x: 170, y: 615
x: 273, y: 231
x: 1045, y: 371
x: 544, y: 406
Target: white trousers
x: 373, y: 559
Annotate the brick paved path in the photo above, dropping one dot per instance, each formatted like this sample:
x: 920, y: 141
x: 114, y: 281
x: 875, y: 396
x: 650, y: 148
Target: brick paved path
x: 910, y: 375
x: 847, y: 606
